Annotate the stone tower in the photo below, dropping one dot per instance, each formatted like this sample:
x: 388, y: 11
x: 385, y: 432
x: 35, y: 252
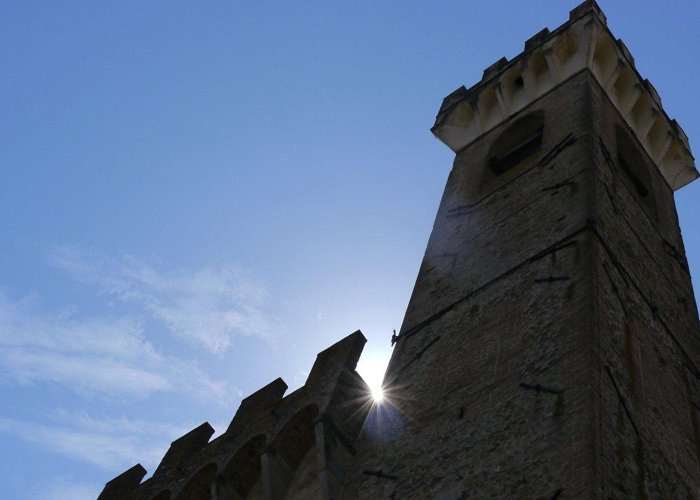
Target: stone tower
x: 551, y: 346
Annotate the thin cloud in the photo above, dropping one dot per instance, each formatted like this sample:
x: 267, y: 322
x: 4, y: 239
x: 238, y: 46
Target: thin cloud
x: 209, y: 306
x: 106, y: 357
x: 108, y: 443
x: 65, y: 488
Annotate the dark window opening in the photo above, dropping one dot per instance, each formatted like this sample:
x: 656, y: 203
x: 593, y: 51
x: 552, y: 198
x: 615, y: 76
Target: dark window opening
x: 632, y: 162
x: 636, y: 181
x: 515, y: 146
x: 637, y: 170
x: 500, y: 164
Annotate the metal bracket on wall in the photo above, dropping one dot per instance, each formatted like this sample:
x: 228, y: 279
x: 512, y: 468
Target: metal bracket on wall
x: 459, y: 210
x: 551, y: 250
x: 611, y: 198
x: 606, y: 155
x: 558, y: 148
x: 446, y: 255
x: 622, y: 400
x: 676, y: 255
x: 539, y: 388
x: 551, y: 279
x: 417, y: 356
x: 693, y: 370
x: 653, y: 307
x: 380, y: 474
x: 558, y: 185
x: 616, y: 290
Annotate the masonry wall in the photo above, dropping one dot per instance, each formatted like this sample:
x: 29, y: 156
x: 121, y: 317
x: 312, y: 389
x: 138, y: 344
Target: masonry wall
x: 489, y: 386
x: 550, y: 347
x: 293, y: 446
x: 647, y: 335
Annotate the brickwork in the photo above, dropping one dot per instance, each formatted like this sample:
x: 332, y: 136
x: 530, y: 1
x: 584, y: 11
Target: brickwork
x: 648, y: 342
x: 518, y: 292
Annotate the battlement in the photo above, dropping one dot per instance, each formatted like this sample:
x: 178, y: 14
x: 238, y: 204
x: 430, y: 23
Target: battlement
x: 270, y: 434
x: 583, y: 43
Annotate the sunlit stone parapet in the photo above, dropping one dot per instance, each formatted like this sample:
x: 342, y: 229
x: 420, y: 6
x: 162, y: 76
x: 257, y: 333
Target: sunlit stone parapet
x: 294, y: 446
x: 550, y: 58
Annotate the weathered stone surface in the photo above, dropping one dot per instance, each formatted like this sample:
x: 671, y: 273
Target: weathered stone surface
x: 522, y: 372
x: 276, y: 446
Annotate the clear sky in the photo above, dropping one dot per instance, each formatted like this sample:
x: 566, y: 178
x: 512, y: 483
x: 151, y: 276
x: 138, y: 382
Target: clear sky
x: 197, y: 197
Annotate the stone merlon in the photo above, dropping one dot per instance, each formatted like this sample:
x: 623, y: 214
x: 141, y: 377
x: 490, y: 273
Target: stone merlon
x: 184, y: 447
x: 123, y: 484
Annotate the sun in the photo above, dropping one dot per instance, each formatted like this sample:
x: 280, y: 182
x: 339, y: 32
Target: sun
x: 372, y: 368
x: 377, y: 394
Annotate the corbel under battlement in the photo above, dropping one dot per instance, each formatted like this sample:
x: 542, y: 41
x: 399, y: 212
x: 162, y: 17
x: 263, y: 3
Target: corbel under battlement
x: 550, y: 58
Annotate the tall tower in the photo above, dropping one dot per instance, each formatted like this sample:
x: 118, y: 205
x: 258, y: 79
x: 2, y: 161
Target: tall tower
x: 551, y: 345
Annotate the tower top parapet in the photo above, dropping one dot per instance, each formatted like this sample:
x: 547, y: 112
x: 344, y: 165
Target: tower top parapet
x: 549, y: 58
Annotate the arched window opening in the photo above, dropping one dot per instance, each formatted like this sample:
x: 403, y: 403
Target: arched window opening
x: 163, y: 495
x: 243, y: 470
x: 291, y: 453
x: 199, y: 485
x: 632, y: 162
x: 637, y: 170
x: 517, y: 143
x: 297, y: 436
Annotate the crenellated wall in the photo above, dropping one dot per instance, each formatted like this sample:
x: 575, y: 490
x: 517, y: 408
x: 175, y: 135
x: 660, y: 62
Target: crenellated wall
x: 549, y: 58
x: 293, y: 446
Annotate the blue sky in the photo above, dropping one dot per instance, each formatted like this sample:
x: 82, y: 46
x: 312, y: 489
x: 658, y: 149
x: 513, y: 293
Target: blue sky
x: 196, y: 198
